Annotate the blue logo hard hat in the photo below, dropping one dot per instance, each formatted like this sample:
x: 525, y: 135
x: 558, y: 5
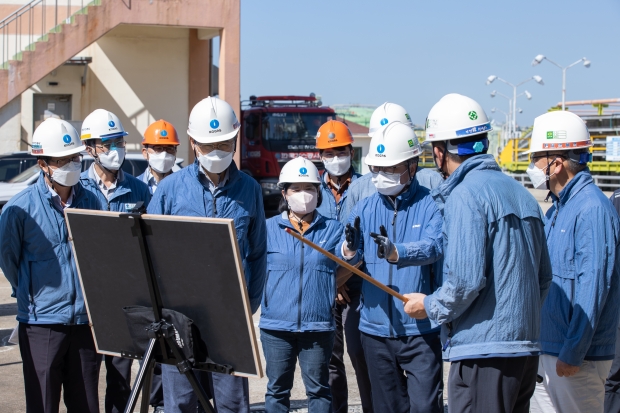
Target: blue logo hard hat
x: 66, y: 139
x: 111, y: 124
x: 380, y: 148
x: 214, y: 124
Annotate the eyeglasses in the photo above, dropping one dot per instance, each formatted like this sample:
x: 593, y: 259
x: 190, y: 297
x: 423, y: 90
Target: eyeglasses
x: 112, y: 144
x: 161, y: 148
x: 226, y: 146
x: 62, y: 162
x: 332, y: 154
x: 400, y: 168
x: 533, y: 159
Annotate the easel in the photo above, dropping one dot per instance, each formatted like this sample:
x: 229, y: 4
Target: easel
x: 161, y: 337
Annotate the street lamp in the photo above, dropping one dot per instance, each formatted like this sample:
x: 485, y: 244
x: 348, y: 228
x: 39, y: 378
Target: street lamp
x: 538, y: 59
x: 535, y: 78
x: 505, y: 128
x: 509, y: 115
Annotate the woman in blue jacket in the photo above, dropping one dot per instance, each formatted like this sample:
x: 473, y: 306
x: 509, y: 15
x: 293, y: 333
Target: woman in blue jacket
x: 296, y: 319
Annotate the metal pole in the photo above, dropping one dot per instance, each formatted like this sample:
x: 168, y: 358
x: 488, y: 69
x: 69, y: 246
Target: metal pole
x: 514, y: 112
x: 564, y: 88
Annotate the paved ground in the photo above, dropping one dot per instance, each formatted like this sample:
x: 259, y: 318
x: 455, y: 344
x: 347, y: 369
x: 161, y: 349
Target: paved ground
x: 11, y: 381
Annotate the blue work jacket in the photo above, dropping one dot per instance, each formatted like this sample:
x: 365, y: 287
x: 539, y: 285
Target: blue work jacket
x: 129, y: 190
x: 496, y: 270
x: 329, y: 208
x: 363, y: 187
x: 413, y: 223
x: 37, y: 259
x: 300, y: 288
x: 240, y: 199
x: 580, y: 314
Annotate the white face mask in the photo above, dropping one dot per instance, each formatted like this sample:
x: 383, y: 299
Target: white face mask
x: 161, y: 162
x: 387, y: 184
x: 302, y: 202
x: 68, y: 175
x: 216, y: 161
x: 338, y: 165
x: 113, y: 159
x: 538, y: 176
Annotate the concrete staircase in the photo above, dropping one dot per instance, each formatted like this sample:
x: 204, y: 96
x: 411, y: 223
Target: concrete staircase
x: 88, y: 24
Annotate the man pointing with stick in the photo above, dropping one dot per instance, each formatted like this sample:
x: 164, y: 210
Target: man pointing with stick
x: 408, y: 226
x: 496, y: 270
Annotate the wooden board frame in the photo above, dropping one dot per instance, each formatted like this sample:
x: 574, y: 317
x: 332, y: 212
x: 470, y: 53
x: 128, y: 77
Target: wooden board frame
x: 170, y: 218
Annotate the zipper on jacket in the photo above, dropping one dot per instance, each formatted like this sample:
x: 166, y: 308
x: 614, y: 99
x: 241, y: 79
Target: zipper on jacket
x: 395, y: 204
x: 301, y: 280
x: 448, y: 341
x: 214, y: 206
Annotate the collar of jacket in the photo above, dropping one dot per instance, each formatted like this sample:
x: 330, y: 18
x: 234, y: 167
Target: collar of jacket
x: 579, y: 181
x: 475, y: 163
x: 45, y: 191
x: 283, y: 220
x: 233, y: 173
x: 122, y: 186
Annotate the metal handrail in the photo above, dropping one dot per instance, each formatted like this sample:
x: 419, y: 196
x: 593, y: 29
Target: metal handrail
x: 13, y: 24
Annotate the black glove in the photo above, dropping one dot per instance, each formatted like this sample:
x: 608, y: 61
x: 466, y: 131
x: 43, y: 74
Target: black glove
x: 352, y: 235
x: 385, y: 246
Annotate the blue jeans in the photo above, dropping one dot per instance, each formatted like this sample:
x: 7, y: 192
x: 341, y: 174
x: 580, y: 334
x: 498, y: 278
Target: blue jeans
x: 281, y: 350
x: 231, y: 393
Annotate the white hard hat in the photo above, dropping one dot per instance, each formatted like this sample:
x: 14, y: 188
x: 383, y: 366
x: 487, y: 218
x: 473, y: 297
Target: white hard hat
x: 394, y: 144
x: 299, y: 170
x: 386, y: 114
x: 103, y: 125
x: 456, y: 117
x: 559, y: 131
x: 212, y: 120
x: 56, y: 138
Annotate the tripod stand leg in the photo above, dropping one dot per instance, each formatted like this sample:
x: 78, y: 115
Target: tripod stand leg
x: 186, y: 368
x: 146, y: 388
x: 147, y: 367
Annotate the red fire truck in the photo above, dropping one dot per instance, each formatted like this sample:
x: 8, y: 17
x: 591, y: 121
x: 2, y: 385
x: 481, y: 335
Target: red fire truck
x: 276, y: 129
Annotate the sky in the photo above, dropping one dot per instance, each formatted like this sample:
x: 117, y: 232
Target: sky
x: 413, y: 52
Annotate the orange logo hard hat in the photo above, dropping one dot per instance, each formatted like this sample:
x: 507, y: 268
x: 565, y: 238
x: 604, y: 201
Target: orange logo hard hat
x: 333, y: 134
x: 160, y: 133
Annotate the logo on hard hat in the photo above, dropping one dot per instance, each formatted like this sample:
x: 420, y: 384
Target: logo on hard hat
x: 410, y: 142
x: 559, y: 134
x: 214, y: 124
x: 111, y: 124
x: 384, y: 121
x: 331, y: 136
x: 303, y: 171
x: 66, y: 139
x: 473, y: 115
x: 163, y: 132
x: 380, y: 148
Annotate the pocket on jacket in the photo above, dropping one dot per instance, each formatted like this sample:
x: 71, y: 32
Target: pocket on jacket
x: 46, y: 276
x: 557, y: 308
x: 320, y: 293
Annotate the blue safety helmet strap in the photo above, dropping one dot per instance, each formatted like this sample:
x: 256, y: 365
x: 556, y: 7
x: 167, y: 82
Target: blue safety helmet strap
x: 114, y: 135
x: 470, y: 147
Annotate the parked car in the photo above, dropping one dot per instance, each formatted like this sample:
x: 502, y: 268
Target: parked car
x: 134, y: 164
x: 14, y: 163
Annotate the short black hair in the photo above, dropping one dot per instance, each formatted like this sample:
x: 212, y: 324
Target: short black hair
x: 283, y: 206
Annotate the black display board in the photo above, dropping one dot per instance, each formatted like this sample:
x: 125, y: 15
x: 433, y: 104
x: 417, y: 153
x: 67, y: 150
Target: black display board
x: 198, y: 269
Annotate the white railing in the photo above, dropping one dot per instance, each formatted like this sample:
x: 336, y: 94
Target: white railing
x: 30, y: 23
x: 604, y: 182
